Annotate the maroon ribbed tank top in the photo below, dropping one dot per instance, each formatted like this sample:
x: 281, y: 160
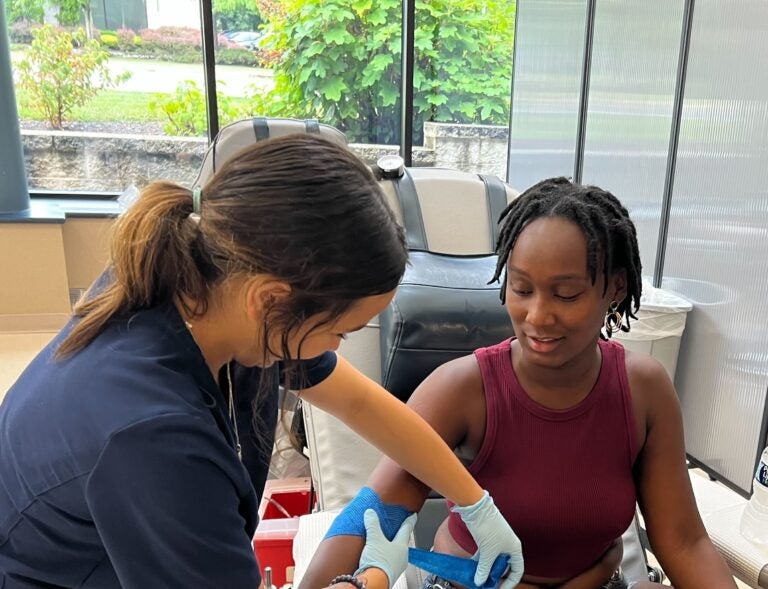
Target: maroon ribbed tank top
x: 561, y: 478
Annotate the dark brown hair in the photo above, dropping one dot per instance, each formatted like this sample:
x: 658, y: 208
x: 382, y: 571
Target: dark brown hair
x: 300, y: 208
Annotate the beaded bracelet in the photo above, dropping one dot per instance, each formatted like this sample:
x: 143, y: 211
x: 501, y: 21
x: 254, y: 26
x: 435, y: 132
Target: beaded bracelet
x: 351, y: 579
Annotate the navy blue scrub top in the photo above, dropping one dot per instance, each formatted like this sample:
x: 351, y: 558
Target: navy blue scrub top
x: 118, y: 468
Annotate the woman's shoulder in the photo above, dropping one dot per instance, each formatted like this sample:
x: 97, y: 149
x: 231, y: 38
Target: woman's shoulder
x: 651, y: 390
x: 452, y: 400
x: 645, y: 373
x: 459, y: 373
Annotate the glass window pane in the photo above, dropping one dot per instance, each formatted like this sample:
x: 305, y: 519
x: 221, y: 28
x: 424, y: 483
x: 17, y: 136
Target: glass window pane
x: 718, y: 236
x: 631, y: 94
x: 108, y: 127
x: 462, y: 80
x: 547, y: 81
x: 336, y: 61
x: 244, y: 69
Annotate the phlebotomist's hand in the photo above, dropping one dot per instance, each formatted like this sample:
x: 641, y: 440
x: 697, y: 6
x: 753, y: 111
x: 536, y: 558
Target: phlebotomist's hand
x: 390, y: 557
x: 493, y: 537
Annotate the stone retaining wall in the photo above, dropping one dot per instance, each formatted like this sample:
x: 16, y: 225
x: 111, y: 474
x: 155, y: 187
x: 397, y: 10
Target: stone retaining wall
x: 103, y: 162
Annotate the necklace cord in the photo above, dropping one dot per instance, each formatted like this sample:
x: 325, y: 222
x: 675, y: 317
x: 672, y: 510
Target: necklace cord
x: 231, y: 395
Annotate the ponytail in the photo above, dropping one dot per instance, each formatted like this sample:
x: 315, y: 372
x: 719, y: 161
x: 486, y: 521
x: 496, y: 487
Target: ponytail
x: 155, y: 256
x: 299, y: 208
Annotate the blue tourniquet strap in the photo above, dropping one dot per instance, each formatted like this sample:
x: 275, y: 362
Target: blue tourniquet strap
x: 350, y: 522
x: 456, y: 569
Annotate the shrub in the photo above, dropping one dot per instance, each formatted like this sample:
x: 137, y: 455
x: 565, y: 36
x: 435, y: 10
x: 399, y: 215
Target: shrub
x: 185, y: 111
x: 127, y: 40
x: 169, y: 40
x: 57, y: 77
x: 238, y: 56
x: 21, y: 31
x: 108, y: 39
x: 341, y: 63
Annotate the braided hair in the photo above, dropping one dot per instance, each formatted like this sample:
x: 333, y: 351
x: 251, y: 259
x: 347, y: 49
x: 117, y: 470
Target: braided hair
x: 610, y: 233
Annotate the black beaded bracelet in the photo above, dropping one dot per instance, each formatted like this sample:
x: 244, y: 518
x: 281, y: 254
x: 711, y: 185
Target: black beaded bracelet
x: 352, y: 579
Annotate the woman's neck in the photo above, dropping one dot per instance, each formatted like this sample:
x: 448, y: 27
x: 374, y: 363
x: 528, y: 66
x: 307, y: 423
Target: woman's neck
x: 211, y: 334
x: 559, y: 387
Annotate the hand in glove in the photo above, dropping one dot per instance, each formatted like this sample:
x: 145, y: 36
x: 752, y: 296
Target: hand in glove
x: 493, y: 537
x: 390, y: 557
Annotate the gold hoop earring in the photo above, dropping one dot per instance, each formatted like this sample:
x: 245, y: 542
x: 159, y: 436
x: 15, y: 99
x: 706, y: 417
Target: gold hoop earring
x: 613, y: 319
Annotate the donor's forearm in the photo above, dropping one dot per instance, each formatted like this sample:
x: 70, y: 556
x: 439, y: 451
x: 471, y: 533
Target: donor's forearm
x: 338, y: 555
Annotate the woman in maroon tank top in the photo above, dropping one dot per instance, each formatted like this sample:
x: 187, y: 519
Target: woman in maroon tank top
x: 523, y: 413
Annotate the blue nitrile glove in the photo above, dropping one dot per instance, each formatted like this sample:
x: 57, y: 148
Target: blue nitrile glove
x: 493, y: 537
x: 390, y: 557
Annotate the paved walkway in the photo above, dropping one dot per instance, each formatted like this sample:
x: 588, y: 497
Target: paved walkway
x: 162, y: 76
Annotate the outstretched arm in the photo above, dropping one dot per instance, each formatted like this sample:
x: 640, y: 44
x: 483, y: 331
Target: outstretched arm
x: 677, y: 535
x: 396, y: 430
x: 447, y: 401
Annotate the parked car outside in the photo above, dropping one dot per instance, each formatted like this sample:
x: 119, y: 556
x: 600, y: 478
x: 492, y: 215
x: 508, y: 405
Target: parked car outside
x: 247, y: 39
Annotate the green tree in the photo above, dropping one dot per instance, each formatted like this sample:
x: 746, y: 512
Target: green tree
x: 185, y: 110
x: 62, y: 71
x: 341, y: 63
x: 237, y: 15
x: 29, y: 10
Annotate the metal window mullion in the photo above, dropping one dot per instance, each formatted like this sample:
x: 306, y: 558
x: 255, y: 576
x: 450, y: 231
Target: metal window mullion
x: 14, y: 192
x: 209, y: 63
x: 586, y: 69
x: 674, y: 137
x: 512, y: 92
x: 406, y: 98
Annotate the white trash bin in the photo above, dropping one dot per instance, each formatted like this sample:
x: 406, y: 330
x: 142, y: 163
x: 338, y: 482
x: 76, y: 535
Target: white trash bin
x: 659, y: 326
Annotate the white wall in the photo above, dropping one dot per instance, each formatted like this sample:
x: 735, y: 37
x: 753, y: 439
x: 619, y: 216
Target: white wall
x: 173, y: 13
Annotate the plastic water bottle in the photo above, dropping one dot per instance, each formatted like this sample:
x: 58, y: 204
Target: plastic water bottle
x: 754, y: 521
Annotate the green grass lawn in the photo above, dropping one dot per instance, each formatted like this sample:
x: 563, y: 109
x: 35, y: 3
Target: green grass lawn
x: 107, y: 106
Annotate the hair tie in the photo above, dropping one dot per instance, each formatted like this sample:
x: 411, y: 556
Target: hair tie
x: 197, y: 194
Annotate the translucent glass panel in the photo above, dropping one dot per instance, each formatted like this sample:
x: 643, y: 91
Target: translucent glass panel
x: 462, y: 77
x: 546, y: 84
x: 718, y: 236
x: 631, y: 94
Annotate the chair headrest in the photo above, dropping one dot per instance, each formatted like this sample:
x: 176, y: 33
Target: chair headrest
x: 240, y: 134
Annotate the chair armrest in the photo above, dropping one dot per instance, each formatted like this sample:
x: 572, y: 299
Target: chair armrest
x: 721, y: 510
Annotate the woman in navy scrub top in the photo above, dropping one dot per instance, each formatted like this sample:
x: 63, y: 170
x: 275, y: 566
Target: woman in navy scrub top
x: 132, y: 449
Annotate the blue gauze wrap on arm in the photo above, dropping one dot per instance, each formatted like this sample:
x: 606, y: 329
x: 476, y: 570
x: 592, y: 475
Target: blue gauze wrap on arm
x: 462, y: 570
x: 350, y: 521
x: 457, y: 569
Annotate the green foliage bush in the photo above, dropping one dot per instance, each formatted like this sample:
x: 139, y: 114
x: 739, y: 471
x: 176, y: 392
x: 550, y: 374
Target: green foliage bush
x: 341, y: 63
x: 62, y: 71
x: 127, y: 40
x: 71, y: 11
x: 184, y: 111
x: 181, y: 45
x: 236, y: 56
x: 236, y: 15
x: 108, y: 39
x: 31, y: 11
x: 21, y: 31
